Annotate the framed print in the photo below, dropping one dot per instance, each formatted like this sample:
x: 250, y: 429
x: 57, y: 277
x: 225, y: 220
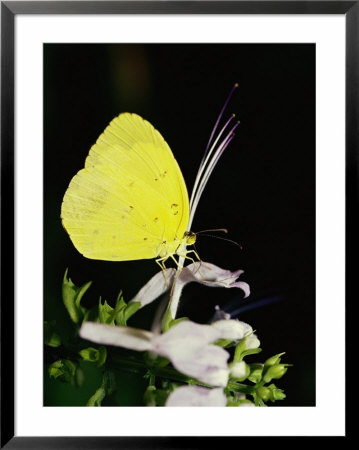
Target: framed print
x: 179, y: 188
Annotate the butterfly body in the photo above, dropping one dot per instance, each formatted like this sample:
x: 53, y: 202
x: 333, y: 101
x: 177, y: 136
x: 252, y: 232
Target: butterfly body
x: 130, y: 200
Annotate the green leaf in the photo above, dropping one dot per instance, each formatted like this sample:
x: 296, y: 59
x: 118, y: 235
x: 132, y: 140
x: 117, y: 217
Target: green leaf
x: 106, y: 313
x: 71, y: 296
x: 120, y: 314
x: 130, y: 310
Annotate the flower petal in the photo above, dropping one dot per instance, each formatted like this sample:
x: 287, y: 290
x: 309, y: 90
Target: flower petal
x: 207, y: 364
x: 127, y: 337
x: 209, y: 275
x: 196, y: 396
x: 187, y: 332
x: 232, y: 329
x: 155, y: 287
x: 187, y: 346
x: 212, y: 275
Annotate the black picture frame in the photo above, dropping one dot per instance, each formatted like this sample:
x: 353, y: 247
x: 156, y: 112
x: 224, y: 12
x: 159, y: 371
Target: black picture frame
x: 9, y: 10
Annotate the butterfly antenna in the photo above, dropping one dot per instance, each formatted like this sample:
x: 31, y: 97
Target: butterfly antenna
x: 224, y: 239
x: 224, y: 230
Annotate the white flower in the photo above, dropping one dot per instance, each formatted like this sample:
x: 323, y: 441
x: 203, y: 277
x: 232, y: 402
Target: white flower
x: 187, y: 345
x: 232, y: 329
x: 196, y: 396
x: 204, y: 273
x: 239, y: 369
x: 252, y: 342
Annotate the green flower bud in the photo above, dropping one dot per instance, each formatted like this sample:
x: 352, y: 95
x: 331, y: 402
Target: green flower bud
x: 264, y: 393
x: 120, y: 314
x: 247, y: 346
x: 149, y: 396
x: 63, y: 370
x: 71, y: 296
x: 273, y: 360
x: 245, y: 402
x: 93, y: 355
x: 276, y: 394
x: 271, y: 393
x: 256, y: 371
x: 275, y: 372
x: 106, y: 313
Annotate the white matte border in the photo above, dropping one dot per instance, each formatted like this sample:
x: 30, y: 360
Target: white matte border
x: 327, y: 418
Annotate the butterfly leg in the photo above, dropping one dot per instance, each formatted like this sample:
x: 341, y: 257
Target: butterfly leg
x: 193, y: 261
x: 184, y: 255
x: 161, y: 263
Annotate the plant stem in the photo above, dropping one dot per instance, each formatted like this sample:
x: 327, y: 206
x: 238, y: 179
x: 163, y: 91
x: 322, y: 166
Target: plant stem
x: 171, y: 310
x: 137, y: 366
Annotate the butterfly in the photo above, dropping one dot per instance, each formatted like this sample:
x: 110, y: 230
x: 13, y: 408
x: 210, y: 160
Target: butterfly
x: 130, y: 201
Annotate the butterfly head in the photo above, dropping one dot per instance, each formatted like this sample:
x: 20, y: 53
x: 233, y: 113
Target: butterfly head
x: 190, y: 237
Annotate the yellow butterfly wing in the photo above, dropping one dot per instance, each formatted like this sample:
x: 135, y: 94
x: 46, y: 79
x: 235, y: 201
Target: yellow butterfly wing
x: 129, y: 198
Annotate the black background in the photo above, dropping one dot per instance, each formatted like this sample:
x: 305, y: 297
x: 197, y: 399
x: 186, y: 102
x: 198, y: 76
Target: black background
x: 262, y: 190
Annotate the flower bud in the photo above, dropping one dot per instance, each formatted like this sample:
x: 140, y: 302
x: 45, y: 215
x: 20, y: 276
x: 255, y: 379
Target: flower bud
x: 256, y: 373
x: 264, y: 393
x: 252, y: 342
x: 273, y: 360
x: 63, y: 370
x: 239, y: 370
x: 275, y: 372
x: 149, y: 396
x: 93, y: 355
x: 278, y: 394
x: 246, y: 403
x: 247, y: 346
